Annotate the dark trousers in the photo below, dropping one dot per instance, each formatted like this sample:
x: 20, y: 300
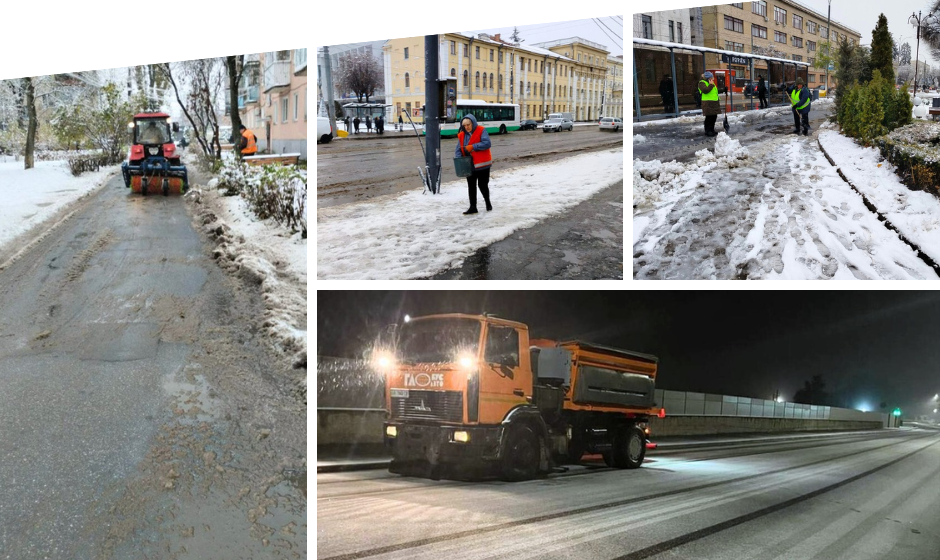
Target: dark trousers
x: 481, y: 178
x: 797, y: 117
x: 710, y: 123
x: 763, y: 99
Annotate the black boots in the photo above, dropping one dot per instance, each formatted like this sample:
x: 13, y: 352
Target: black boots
x: 488, y: 206
x: 470, y: 211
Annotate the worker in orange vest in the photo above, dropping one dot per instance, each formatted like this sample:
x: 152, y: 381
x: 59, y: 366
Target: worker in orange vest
x: 474, y: 141
x: 248, y: 145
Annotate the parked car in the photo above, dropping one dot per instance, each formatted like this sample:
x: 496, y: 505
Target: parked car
x: 324, y: 130
x: 557, y: 125
x: 528, y: 125
x: 610, y: 123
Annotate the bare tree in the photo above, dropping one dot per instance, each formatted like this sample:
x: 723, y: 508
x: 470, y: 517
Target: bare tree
x: 358, y: 73
x: 235, y: 67
x: 33, y: 123
x: 200, y: 81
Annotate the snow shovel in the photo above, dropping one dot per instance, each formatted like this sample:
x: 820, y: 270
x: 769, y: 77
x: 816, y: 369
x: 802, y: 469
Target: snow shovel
x: 727, y: 126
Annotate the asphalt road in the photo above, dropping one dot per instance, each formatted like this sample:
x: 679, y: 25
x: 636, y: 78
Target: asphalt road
x: 132, y: 395
x: 355, y: 169
x: 847, y: 496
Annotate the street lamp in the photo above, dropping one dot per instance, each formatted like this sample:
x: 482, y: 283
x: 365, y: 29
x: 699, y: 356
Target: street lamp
x: 919, y: 21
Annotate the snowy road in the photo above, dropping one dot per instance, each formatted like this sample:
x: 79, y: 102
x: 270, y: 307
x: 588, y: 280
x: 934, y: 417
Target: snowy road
x: 134, y: 392
x: 858, y: 496
x: 783, y: 212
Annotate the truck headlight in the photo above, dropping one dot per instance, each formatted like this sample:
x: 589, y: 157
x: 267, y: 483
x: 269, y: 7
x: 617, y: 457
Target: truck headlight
x: 462, y: 436
x: 391, y: 431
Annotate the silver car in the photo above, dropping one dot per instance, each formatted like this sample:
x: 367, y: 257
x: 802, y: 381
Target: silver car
x: 557, y: 125
x: 610, y: 123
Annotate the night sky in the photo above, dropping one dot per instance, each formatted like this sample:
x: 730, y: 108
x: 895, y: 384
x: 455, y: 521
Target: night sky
x: 870, y: 347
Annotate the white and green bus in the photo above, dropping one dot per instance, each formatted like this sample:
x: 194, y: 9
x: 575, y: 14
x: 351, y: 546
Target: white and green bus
x: 494, y: 117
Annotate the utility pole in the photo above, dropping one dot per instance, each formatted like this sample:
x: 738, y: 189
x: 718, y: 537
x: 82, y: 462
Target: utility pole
x: 432, y: 113
x: 328, y: 75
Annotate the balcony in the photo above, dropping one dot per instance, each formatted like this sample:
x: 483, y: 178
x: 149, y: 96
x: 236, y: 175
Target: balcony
x: 300, y: 61
x: 248, y: 94
x: 276, y: 70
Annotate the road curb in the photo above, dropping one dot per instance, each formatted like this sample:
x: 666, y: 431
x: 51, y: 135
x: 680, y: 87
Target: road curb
x: 358, y: 466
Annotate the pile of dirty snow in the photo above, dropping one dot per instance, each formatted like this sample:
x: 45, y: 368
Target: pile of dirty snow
x: 639, y: 139
x: 653, y: 179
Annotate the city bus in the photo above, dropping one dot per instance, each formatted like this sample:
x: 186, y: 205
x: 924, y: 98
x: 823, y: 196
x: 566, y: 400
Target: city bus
x: 494, y: 117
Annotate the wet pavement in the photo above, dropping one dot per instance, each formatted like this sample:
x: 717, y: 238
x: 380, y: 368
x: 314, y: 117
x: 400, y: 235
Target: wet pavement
x: 583, y: 243
x: 136, y: 397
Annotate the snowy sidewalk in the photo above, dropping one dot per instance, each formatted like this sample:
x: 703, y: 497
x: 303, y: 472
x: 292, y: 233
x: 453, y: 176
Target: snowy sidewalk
x: 781, y: 212
x: 32, y: 196
x: 415, y: 235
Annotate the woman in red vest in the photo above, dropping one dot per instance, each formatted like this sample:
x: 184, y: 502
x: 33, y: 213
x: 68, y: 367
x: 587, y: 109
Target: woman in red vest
x: 473, y: 141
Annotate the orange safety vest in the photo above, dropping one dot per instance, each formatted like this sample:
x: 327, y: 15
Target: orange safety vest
x: 251, y: 148
x: 481, y: 158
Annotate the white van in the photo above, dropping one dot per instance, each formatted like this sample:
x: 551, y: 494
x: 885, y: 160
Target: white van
x: 562, y: 116
x: 324, y: 130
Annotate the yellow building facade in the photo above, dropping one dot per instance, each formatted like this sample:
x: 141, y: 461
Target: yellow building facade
x: 568, y: 75
x: 613, y: 88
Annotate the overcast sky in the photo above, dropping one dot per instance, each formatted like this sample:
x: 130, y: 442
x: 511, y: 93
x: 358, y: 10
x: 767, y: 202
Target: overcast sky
x: 607, y: 31
x: 869, y: 347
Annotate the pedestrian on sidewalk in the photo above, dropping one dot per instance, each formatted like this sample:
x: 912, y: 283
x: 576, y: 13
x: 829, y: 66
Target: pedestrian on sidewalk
x: 762, y: 91
x: 348, y: 124
x: 473, y: 141
x: 356, y: 122
x: 379, y: 124
x: 369, y: 123
x: 401, y: 123
x: 666, y: 92
x: 800, y: 101
x: 711, y: 107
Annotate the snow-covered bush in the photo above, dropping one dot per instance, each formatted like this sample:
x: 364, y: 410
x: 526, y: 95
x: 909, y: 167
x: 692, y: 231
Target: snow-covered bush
x: 273, y: 191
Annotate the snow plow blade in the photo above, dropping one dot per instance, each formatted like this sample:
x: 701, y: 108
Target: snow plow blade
x: 154, y: 185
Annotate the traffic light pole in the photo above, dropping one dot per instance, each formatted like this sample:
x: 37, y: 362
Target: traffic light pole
x: 432, y: 112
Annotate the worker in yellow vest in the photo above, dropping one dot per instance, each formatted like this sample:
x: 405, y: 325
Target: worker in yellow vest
x: 711, y: 107
x: 800, y: 102
x: 248, y: 144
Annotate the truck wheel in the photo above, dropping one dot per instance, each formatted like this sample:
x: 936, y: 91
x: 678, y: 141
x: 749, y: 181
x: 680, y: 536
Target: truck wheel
x: 521, y: 458
x: 628, y: 449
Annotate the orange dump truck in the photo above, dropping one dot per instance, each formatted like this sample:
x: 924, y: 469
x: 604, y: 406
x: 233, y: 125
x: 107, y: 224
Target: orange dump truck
x: 473, y: 391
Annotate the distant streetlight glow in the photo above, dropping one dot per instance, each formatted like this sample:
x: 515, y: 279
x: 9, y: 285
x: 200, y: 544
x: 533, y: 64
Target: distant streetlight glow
x: 864, y: 407
x: 780, y: 399
x: 407, y: 318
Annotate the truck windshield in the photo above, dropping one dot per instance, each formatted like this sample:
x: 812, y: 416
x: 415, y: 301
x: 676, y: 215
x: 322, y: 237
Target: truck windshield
x: 153, y: 132
x: 438, y: 340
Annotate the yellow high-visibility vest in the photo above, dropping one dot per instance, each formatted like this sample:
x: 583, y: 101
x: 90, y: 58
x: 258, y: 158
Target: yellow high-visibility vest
x: 710, y: 96
x: 795, y: 98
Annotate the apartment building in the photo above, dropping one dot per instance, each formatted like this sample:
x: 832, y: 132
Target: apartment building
x: 567, y: 75
x: 668, y: 25
x: 613, y: 88
x: 272, y: 100
x: 779, y: 28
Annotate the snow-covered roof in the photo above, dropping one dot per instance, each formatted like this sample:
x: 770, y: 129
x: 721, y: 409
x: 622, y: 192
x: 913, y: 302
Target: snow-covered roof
x: 683, y: 46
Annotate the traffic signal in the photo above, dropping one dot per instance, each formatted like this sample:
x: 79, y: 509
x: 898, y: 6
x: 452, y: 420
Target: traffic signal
x: 897, y: 412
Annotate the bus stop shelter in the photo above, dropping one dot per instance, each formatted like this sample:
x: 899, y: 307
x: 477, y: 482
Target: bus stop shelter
x: 666, y: 77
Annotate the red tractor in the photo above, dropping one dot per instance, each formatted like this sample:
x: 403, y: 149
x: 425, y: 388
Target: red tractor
x: 153, y: 165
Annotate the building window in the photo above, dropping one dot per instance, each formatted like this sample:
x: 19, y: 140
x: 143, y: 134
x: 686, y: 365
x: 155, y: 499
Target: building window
x: 797, y: 22
x: 797, y: 58
x: 407, y: 80
x: 824, y: 32
x: 780, y: 37
x: 759, y: 8
x: 491, y: 55
x: 797, y: 42
x: 738, y: 5
x: 296, y: 103
x: 477, y: 53
x: 672, y: 31
x: 478, y: 81
x: 758, y: 31
x: 484, y: 80
x: 453, y: 47
x: 501, y: 61
x: 812, y: 78
x: 466, y: 79
x: 812, y: 61
x: 491, y: 82
x: 453, y: 72
x: 466, y: 51
x: 732, y: 46
x: 406, y: 53
x: 500, y: 82
x: 780, y: 15
x: 679, y: 32
x: 811, y: 27
x: 734, y: 24
x: 284, y: 109
x: 811, y: 46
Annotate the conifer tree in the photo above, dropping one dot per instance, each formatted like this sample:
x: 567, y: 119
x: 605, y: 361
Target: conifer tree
x: 882, y: 49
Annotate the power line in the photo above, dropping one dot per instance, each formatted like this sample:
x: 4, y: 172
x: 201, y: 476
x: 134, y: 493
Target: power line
x: 611, y: 30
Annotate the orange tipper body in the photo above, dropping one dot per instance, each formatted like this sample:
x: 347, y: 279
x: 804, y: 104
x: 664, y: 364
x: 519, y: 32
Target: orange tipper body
x: 473, y: 391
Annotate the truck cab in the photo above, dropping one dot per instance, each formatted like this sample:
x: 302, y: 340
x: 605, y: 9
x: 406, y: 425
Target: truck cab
x: 473, y: 391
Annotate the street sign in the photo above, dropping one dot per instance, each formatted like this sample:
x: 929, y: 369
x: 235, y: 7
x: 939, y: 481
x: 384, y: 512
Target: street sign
x: 832, y: 67
x: 741, y: 60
